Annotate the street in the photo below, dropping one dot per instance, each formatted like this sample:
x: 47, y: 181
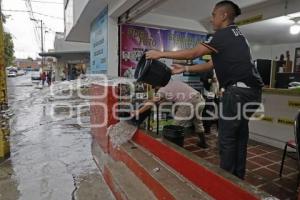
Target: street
x: 50, y: 158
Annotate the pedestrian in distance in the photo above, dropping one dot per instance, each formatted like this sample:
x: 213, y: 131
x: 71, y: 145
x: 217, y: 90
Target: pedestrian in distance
x: 43, y: 78
x: 49, y: 78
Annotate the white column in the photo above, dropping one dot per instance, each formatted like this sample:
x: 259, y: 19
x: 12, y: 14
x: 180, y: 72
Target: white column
x: 113, y: 38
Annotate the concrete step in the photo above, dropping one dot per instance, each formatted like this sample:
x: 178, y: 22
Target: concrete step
x: 134, y: 173
x: 156, y: 174
x: 129, y: 186
x: 123, y: 183
x: 94, y: 187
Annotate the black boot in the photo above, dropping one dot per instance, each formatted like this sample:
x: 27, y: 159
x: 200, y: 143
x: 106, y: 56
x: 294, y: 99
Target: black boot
x: 202, y: 141
x: 207, y: 130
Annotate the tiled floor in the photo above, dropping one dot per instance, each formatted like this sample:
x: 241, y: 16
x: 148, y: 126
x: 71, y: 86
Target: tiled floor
x: 263, y: 164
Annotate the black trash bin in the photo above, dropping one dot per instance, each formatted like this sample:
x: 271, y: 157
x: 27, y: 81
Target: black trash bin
x: 152, y: 72
x: 174, y: 134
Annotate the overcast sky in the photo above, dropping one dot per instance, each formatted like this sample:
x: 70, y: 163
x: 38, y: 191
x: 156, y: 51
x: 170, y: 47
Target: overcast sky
x: 22, y: 28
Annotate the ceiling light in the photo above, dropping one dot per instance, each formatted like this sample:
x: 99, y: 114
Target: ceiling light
x: 295, y: 29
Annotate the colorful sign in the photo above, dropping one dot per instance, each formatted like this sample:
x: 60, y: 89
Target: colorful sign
x: 136, y: 39
x: 99, y: 44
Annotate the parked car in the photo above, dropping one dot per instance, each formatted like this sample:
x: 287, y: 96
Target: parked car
x: 10, y: 69
x: 28, y: 69
x: 35, y: 75
x: 12, y: 73
x: 21, y: 72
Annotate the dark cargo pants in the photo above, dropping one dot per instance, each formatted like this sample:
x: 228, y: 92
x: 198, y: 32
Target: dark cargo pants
x: 233, y: 127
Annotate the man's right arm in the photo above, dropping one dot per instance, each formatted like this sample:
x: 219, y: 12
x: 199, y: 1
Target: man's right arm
x: 178, y: 69
x: 148, y: 105
x: 187, y: 54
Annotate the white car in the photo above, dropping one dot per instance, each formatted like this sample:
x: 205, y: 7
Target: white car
x: 21, y: 72
x: 35, y: 76
x: 12, y: 73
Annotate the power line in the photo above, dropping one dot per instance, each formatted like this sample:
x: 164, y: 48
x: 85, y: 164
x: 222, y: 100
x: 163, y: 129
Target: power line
x: 27, y: 11
x: 47, y: 28
x: 30, y: 11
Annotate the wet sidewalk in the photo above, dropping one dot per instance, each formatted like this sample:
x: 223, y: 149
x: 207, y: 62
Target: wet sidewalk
x: 50, y: 158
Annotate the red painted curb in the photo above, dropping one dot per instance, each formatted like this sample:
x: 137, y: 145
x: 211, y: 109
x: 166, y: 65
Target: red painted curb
x: 158, y: 190
x: 109, y: 180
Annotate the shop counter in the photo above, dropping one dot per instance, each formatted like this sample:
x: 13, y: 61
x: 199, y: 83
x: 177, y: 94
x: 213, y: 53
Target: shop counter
x: 276, y: 126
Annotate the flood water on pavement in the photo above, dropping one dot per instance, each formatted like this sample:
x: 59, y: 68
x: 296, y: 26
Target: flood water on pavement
x: 50, y: 152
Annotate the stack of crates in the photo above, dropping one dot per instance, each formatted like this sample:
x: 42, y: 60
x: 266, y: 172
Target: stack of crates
x: 4, y: 143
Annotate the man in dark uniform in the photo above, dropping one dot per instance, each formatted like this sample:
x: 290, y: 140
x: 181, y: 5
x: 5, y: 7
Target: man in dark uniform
x: 236, y: 73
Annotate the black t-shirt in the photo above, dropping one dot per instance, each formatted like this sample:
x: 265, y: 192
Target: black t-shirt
x: 232, y: 58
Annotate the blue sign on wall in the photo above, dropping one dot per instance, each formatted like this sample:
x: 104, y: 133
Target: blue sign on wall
x: 98, y: 41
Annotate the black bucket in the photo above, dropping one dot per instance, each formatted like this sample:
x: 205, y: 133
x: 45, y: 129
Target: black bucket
x: 174, y: 134
x: 152, y: 72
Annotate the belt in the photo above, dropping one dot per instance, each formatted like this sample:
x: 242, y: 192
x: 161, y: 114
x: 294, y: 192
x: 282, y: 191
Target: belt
x: 237, y: 84
x: 240, y: 85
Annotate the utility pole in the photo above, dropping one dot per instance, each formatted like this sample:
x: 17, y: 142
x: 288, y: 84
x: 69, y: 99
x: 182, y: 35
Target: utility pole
x: 42, y: 41
x: 42, y: 38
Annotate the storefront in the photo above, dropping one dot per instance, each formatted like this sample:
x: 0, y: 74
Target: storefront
x: 69, y: 65
x: 119, y: 33
x: 72, y: 58
x: 159, y: 29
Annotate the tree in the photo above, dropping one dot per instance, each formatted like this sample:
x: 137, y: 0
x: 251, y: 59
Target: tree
x: 8, y: 49
x: 8, y: 46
